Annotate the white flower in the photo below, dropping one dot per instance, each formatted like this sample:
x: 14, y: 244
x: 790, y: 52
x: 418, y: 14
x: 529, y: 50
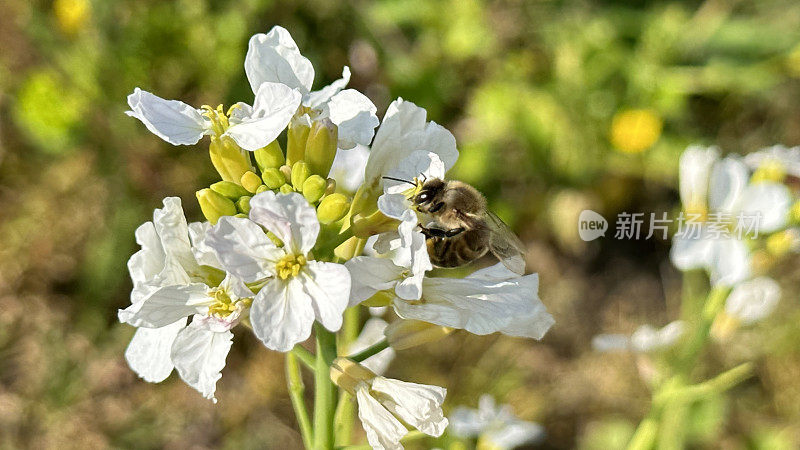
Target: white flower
x: 644, y: 340
x: 381, y: 401
x: 695, y: 167
x: 348, y: 168
x: 252, y: 127
x: 495, y: 425
x: 753, y: 300
x: 787, y: 158
x: 275, y: 58
x: 727, y: 258
x: 402, y: 132
x: 170, y: 285
x: 371, y: 334
x: 490, y: 300
x: 296, y: 289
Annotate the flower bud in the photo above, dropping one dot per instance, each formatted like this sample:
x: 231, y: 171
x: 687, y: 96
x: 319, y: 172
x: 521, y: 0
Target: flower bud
x: 250, y: 181
x: 314, y: 188
x: 262, y: 188
x: 296, y: 141
x: 332, y: 208
x: 273, y: 178
x: 229, y: 189
x: 214, y: 205
x: 243, y: 204
x: 404, y: 334
x: 348, y: 374
x: 321, y: 147
x: 269, y: 157
x: 286, y: 188
x: 241, y: 215
x: 230, y: 161
x: 300, y: 172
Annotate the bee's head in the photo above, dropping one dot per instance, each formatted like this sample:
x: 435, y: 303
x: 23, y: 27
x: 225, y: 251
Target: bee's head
x: 428, y: 195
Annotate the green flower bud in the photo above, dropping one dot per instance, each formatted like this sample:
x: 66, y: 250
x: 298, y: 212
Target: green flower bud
x: 214, y: 205
x: 250, y: 181
x: 262, y: 188
x: 229, y: 189
x: 273, y: 178
x: 240, y: 215
x: 287, y: 173
x: 300, y: 172
x: 332, y: 208
x: 230, y: 161
x: 269, y: 157
x: 314, y: 188
x: 286, y: 188
x: 296, y: 141
x: 243, y: 204
x: 321, y: 147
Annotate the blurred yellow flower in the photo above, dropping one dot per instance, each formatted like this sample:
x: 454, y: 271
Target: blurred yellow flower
x: 635, y: 130
x: 72, y: 15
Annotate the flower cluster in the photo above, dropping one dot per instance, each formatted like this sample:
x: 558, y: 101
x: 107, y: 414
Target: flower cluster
x: 280, y: 251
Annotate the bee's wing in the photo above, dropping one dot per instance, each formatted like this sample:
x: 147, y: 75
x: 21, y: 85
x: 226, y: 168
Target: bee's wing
x: 505, y: 245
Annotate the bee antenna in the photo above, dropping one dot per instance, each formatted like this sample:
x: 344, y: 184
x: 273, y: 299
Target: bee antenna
x: 424, y: 177
x: 400, y: 180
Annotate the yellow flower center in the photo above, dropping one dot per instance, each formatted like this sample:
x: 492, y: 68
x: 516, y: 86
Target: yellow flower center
x: 769, y: 170
x: 218, y: 117
x: 635, y: 130
x: 289, y: 266
x: 223, y: 305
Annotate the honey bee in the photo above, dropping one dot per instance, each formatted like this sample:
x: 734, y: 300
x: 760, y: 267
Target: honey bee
x: 461, y: 228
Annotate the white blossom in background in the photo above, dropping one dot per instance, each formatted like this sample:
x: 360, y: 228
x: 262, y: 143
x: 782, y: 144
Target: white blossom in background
x: 753, y: 300
x: 645, y: 339
x: 171, y: 285
x: 495, y: 426
x: 275, y: 58
x: 297, y: 290
x: 731, y: 195
x: 694, y: 168
x: 787, y: 159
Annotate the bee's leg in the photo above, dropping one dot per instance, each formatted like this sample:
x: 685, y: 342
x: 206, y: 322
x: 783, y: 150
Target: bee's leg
x: 431, y: 233
x: 454, y: 232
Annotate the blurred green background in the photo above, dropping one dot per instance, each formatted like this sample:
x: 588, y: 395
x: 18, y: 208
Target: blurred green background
x: 558, y: 106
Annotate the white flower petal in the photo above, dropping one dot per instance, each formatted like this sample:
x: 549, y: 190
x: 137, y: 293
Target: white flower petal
x: 328, y: 286
x: 148, y: 262
x: 497, y: 272
x: 770, y: 201
x: 166, y: 305
x: 199, y: 355
x: 282, y: 314
x: 274, y: 57
x: 383, y: 429
x: 695, y: 167
x: 148, y: 353
x: 173, y: 231
x: 371, y: 334
x: 171, y: 120
x: 466, y: 422
x: 354, y: 115
x: 730, y: 262
x: 480, y: 307
x: 646, y: 338
x: 419, y: 405
x: 348, y: 167
x: 402, y: 132
x: 514, y: 434
x: 421, y: 164
x: 318, y: 98
x: 274, y: 106
x: 689, y: 253
x: 412, y: 254
x: 728, y: 179
x: 788, y: 158
x: 203, y: 254
x: 753, y: 300
x: 289, y: 217
x: 370, y: 275
x: 243, y: 248
x: 605, y: 343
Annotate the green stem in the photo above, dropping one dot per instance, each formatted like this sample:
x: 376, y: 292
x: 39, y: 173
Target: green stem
x: 296, y: 391
x: 691, y: 350
x: 324, y: 390
x: 345, y: 409
x: 645, y: 435
x: 370, y: 351
x: 305, y: 356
